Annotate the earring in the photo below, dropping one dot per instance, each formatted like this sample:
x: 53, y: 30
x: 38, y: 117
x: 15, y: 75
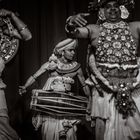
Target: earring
x: 124, y: 12
x: 101, y: 14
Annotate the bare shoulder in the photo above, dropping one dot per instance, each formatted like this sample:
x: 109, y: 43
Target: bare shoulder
x: 135, y: 29
x: 135, y: 24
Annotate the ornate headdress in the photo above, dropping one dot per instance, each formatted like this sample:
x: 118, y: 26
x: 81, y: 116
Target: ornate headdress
x: 125, y: 6
x: 95, y: 5
x: 65, y: 44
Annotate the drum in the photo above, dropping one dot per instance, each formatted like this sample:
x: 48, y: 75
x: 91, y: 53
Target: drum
x: 58, y: 103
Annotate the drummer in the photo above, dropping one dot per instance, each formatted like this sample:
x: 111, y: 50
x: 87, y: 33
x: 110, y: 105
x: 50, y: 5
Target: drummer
x: 62, y: 70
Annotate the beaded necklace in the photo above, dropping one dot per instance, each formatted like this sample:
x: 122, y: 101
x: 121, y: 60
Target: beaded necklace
x: 67, y: 68
x: 115, y: 44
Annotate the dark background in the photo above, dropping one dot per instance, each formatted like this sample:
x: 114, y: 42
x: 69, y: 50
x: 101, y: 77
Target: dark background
x: 46, y: 20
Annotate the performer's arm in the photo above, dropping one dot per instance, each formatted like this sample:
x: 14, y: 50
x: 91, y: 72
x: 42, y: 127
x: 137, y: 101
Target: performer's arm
x: 97, y: 73
x: 33, y: 78
x: 82, y: 81
x: 18, y: 29
x: 137, y: 80
x: 75, y: 26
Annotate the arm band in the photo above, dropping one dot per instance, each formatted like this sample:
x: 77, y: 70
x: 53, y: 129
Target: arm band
x: 88, y: 32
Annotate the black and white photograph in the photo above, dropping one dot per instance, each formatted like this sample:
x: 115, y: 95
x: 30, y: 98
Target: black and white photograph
x: 70, y: 70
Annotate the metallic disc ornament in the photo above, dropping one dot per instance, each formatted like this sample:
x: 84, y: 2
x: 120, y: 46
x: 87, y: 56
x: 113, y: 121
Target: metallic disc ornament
x: 8, y: 43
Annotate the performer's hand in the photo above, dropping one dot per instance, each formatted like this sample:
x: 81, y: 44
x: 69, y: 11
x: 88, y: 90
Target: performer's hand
x: 78, y: 19
x: 136, y: 84
x: 22, y: 89
x: 112, y: 87
x: 136, y: 81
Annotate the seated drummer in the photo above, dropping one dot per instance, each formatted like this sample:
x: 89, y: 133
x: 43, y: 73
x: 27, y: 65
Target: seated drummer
x: 62, y: 69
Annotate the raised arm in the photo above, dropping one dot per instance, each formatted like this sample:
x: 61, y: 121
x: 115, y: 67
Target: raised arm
x: 76, y: 26
x: 18, y: 29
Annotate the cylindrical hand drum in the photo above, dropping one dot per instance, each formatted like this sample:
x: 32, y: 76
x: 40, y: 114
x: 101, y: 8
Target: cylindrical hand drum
x: 58, y: 103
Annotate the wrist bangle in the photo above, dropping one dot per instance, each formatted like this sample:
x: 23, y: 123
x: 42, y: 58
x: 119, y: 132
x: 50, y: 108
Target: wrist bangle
x: 23, y: 28
x: 70, y: 28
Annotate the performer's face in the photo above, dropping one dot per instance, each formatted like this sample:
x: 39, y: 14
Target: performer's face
x: 112, y: 11
x: 69, y: 53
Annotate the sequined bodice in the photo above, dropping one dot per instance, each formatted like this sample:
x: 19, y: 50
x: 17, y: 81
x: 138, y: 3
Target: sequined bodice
x: 115, y: 44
